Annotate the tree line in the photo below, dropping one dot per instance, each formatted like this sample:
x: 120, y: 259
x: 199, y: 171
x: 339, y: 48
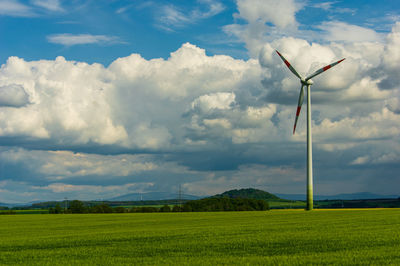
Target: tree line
x: 202, y: 205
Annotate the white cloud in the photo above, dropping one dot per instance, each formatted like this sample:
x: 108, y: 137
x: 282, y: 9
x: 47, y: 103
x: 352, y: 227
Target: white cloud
x: 190, y: 97
x: 148, y: 136
x: 217, y: 122
x: 366, y: 89
x: 221, y: 100
x: 360, y: 160
x: 329, y: 6
x: 135, y: 103
x: 67, y: 99
x: 79, y: 39
x: 189, y: 72
x: 15, y: 9
x: 341, y: 31
x: 392, y: 51
x: 50, y: 5
x: 279, y: 12
x: 266, y: 20
x: 214, y: 8
x: 324, y: 5
x: 170, y: 17
x: 374, y: 126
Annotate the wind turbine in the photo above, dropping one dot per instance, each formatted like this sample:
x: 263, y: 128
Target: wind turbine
x: 307, y: 82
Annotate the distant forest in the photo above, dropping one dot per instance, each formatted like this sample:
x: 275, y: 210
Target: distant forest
x: 202, y: 205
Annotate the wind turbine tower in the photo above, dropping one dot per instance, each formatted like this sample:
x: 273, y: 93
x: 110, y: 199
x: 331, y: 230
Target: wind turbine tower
x: 307, y: 82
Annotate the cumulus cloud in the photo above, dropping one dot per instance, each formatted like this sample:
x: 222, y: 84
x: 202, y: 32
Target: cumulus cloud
x: 279, y: 12
x: 265, y: 21
x: 221, y: 100
x: 79, y: 39
x: 392, y: 53
x: 162, y: 104
x: 63, y: 102
x: 134, y: 103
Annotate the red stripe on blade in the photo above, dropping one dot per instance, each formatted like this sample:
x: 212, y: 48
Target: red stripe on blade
x: 287, y: 63
x: 298, y: 110
x: 327, y: 67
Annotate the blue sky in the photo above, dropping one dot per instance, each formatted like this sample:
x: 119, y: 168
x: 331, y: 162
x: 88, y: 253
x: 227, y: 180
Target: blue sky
x: 102, y: 98
x: 155, y: 29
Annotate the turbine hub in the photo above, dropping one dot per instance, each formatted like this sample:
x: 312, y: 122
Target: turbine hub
x: 306, y: 82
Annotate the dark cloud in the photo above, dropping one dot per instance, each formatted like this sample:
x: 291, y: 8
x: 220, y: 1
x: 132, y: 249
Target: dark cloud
x: 13, y: 95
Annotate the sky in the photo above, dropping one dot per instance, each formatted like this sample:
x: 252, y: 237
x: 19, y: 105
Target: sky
x: 103, y: 98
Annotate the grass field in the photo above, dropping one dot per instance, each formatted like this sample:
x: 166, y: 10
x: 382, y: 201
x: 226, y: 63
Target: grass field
x: 362, y: 237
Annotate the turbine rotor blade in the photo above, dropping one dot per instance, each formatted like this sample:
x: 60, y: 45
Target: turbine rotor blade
x: 325, y: 68
x: 299, y: 104
x: 289, y: 65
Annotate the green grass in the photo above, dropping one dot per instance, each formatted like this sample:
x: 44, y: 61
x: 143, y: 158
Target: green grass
x: 297, y: 237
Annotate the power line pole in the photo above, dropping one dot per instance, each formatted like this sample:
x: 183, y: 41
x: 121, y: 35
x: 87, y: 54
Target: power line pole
x: 65, y: 204
x: 180, y: 196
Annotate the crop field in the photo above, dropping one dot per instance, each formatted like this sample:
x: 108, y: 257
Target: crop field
x: 363, y: 237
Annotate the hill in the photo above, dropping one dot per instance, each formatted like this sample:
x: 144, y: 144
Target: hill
x: 11, y: 205
x: 247, y: 193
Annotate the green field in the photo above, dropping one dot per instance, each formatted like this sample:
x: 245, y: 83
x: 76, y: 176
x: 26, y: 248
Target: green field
x: 363, y: 237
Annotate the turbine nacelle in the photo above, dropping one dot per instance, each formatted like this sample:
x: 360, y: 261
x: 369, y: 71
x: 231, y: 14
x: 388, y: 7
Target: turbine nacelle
x: 305, y: 82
